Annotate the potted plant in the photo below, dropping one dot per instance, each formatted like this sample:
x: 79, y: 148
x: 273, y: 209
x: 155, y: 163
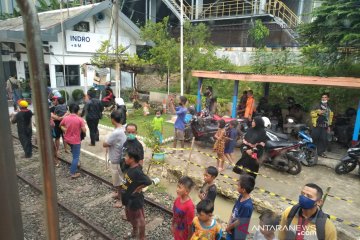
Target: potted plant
x: 78, y: 95
x: 152, y: 141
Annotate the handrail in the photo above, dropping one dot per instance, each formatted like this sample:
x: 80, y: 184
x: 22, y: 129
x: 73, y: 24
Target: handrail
x: 228, y: 8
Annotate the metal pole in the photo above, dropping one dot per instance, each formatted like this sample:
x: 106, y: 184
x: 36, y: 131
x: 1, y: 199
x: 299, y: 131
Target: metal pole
x: 355, y: 137
x: 117, y: 66
x: 182, y: 48
x: 42, y: 116
x: 63, y: 49
x: 235, y: 96
x: 198, y: 101
x: 10, y: 217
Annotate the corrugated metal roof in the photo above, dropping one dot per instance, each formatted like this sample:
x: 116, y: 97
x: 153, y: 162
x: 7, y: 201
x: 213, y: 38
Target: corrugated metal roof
x: 46, y: 19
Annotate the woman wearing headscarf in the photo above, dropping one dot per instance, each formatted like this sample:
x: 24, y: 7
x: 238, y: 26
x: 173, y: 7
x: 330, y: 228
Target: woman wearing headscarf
x: 252, y: 148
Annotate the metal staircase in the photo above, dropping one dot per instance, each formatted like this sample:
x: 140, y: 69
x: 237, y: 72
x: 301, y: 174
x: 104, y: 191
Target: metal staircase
x: 174, y: 6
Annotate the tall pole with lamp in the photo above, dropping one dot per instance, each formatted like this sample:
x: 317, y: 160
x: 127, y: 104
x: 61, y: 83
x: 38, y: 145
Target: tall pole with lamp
x: 182, y: 47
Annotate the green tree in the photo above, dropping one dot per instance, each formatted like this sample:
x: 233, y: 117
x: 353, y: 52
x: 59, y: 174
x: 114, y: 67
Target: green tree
x: 334, y: 35
x: 258, y: 34
x: 199, y: 53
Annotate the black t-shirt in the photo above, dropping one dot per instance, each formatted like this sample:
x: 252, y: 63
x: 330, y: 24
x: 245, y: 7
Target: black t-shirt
x: 23, y: 119
x: 210, y: 191
x: 134, y: 177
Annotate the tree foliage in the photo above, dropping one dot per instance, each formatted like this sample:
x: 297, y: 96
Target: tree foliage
x: 334, y: 35
x: 258, y: 33
x: 199, y: 53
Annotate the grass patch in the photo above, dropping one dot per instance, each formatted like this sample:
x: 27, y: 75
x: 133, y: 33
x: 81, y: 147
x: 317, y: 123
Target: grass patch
x: 140, y: 120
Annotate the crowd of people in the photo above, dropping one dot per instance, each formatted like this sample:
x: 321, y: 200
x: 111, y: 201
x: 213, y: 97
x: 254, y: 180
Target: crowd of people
x: 126, y: 155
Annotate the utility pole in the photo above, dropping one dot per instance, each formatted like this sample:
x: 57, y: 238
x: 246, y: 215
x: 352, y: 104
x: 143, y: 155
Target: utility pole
x: 182, y: 48
x: 117, y: 66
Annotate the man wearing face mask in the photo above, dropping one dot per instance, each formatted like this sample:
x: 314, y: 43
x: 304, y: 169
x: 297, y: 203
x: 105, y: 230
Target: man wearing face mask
x: 321, y: 118
x: 306, y: 220
x: 131, y: 131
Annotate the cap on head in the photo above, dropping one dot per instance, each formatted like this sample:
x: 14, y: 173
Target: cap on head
x: 23, y: 103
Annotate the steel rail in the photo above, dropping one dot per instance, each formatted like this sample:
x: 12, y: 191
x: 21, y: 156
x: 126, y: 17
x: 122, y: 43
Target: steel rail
x: 88, y: 223
x: 108, y: 183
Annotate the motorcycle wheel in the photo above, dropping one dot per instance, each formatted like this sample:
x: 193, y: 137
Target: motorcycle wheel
x: 294, y: 166
x: 345, y: 167
x: 311, y: 157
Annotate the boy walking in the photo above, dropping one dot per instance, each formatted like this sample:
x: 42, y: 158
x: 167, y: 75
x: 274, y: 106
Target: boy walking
x: 239, y: 220
x: 115, y: 143
x: 131, y: 195
x: 23, y: 121
x: 180, y: 120
x: 204, y: 226
x: 157, y: 124
x: 183, y: 210
x: 208, y: 190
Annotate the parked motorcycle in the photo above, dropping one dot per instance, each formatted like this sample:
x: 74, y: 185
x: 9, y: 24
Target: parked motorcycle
x: 282, y: 155
x: 349, y: 162
x: 201, y: 131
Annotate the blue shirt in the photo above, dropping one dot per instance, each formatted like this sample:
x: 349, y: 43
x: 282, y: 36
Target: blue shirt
x: 180, y: 120
x: 242, y: 211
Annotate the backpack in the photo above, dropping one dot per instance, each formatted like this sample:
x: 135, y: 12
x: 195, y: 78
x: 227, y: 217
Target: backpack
x: 321, y: 218
x: 13, y: 85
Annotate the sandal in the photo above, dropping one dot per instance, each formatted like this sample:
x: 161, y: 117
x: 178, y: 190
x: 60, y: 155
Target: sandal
x: 117, y: 204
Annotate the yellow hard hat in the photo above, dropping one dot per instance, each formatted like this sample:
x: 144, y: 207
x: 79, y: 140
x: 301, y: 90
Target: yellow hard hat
x: 23, y: 103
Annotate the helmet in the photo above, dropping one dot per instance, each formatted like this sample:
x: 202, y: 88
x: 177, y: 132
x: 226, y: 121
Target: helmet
x: 23, y: 103
x: 267, y: 123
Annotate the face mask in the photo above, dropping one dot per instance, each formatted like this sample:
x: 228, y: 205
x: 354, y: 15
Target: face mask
x: 157, y: 116
x: 131, y: 136
x: 324, y: 101
x: 306, y: 203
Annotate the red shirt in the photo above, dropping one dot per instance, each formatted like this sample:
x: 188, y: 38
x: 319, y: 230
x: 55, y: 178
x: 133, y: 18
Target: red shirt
x: 183, y: 215
x: 73, y: 124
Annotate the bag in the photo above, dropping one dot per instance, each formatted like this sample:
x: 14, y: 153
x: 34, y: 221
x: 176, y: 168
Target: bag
x: 320, y: 220
x: 82, y: 135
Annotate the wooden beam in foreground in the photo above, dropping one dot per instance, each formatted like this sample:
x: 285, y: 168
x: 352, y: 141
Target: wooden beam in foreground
x: 350, y: 82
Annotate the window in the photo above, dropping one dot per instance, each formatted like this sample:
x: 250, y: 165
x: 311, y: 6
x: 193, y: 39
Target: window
x: 82, y: 27
x: 72, y: 75
x: 47, y: 73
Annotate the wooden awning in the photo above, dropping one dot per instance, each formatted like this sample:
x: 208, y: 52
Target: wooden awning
x: 349, y: 82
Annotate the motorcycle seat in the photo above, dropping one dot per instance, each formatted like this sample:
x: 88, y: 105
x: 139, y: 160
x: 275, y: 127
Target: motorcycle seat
x: 279, y: 135
x: 212, y: 128
x: 279, y: 144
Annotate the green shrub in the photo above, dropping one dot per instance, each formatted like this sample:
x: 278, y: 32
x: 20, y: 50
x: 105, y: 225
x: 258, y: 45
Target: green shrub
x: 78, y: 94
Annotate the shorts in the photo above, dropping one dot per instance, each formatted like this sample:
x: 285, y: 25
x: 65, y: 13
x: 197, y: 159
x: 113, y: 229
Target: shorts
x: 57, y: 133
x: 179, y: 134
x: 135, y: 217
x: 116, y: 174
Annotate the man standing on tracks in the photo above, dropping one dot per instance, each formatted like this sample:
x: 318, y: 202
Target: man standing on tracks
x: 306, y: 220
x: 114, y: 143
x: 93, y: 110
x: 180, y: 111
x: 23, y: 121
x: 321, y: 118
x: 13, y: 87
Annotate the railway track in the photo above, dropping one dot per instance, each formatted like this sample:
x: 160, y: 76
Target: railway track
x: 88, y: 199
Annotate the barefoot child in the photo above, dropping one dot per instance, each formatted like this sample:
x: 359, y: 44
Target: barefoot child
x: 183, y: 210
x: 158, y: 126
x: 204, y: 226
x: 231, y: 142
x: 208, y: 190
x: 219, y: 145
x: 131, y: 195
x: 242, y: 211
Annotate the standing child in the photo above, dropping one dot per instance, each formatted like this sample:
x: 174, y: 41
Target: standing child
x: 180, y: 111
x: 131, y: 195
x: 208, y: 190
x: 242, y: 211
x: 157, y: 124
x: 23, y: 121
x: 268, y: 222
x: 231, y: 142
x: 183, y: 210
x: 219, y: 145
x: 146, y: 108
x: 204, y: 226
